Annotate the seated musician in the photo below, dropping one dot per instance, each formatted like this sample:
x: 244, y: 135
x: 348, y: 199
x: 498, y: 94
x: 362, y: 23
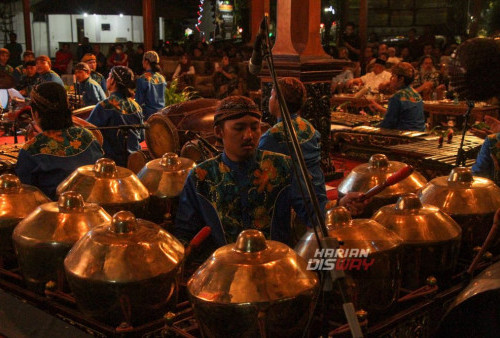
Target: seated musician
x: 90, y: 90
x: 45, y: 73
x: 28, y: 80
x: 150, y: 92
x: 428, y: 79
x: 406, y: 108
x: 20, y: 70
x: 119, y: 109
x: 487, y: 161
x: 4, y: 58
x: 48, y: 158
x: 184, y: 72
x: 242, y: 188
x: 378, y: 76
x: 225, y: 78
x: 91, y: 60
x: 309, y: 138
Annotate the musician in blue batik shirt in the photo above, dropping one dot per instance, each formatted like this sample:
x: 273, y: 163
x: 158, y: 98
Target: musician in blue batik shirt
x: 91, y: 60
x: 119, y: 109
x: 45, y: 73
x: 242, y: 188
x: 51, y: 156
x: 89, y: 89
x: 309, y: 138
x: 406, y: 108
x: 150, y: 91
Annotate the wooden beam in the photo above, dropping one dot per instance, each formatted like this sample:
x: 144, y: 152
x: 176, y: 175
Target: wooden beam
x: 27, y: 24
x: 148, y: 23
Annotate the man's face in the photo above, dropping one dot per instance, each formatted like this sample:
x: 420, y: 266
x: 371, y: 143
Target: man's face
x: 349, y: 30
x: 4, y: 57
x: 225, y: 61
x: 382, y: 49
x: 92, y: 64
x: 30, y: 71
x: 42, y: 66
x: 81, y: 75
x: 28, y: 58
x: 240, y: 137
x: 427, y: 50
x: 368, y: 52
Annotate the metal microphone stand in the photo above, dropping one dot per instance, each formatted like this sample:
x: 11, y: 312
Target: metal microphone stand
x: 318, y: 220
x: 461, y: 158
x: 125, y: 129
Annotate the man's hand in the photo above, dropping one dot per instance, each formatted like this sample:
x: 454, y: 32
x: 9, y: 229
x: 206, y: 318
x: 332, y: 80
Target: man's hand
x: 352, y: 203
x: 492, y: 127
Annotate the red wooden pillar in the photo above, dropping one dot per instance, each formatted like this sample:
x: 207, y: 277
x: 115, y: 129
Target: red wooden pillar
x: 313, y: 46
x: 27, y: 24
x: 257, y: 10
x: 148, y: 23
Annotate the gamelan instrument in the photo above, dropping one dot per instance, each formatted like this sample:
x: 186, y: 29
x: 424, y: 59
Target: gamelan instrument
x: 44, y: 238
x: 431, y: 240
x: 164, y: 178
x: 255, y: 288
x: 376, y: 173
x: 112, y: 187
x: 470, y: 200
x: 371, y: 241
x: 8, y: 157
x: 125, y: 271
x: 16, y: 202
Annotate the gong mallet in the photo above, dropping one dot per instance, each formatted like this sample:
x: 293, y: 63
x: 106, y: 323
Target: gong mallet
x: 197, y: 240
x: 397, y: 177
x: 492, y: 235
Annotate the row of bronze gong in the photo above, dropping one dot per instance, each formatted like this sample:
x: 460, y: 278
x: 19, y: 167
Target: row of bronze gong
x: 124, y: 269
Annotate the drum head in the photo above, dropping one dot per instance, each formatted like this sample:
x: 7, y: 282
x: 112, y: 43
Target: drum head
x: 161, y: 136
x: 138, y: 159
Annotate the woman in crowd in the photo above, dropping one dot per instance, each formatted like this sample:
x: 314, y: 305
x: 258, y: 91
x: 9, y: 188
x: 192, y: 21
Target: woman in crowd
x: 150, y: 92
x: 119, y: 109
x: 48, y: 158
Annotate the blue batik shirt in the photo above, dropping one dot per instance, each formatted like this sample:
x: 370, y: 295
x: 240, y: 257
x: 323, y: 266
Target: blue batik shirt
x: 150, y: 92
x: 309, y: 140
x: 405, y: 111
x: 91, y: 92
x: 232, y: 196
x: 51, y: 156
x: 50, y: 76
x: 117, y: 110
x: 99, y: 78
x: 484, y: 165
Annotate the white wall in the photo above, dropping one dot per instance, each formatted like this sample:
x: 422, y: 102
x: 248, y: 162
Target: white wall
x: 40, y: 42
x: 59, y: 31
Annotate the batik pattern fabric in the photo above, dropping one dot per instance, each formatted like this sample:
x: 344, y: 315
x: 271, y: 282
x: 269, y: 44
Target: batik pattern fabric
x: 150, y: 92
x: 99, y: 78
x: 309, y: 139
x: 7, y: 69
x: 405, y: 111
x: 118, y: 110
x: 48, y: 158
x: 91, y: 92
x: 231, y: 197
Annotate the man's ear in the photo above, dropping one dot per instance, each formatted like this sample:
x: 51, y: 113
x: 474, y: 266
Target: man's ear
x: 218, y: 129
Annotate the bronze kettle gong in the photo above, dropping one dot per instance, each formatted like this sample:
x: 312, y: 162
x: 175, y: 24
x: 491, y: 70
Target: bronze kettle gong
x: 253, y: 288
x: 112, y: 187
x: 125, y: 271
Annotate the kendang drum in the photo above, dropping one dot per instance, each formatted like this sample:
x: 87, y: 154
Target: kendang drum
x: 43, y: 239
x: 476, y: 310
x: 376, y: 171
x: 167, y: 128
x: 197, y: 151
x: 370, y: 255
x: 125, y: 271
x: 470, y: 201
x: 138, y: 159
x: 112, y: 187
x: 431, y: 240
x: 253, y: 288
x: 164, y: 178
x: 16, y: 202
